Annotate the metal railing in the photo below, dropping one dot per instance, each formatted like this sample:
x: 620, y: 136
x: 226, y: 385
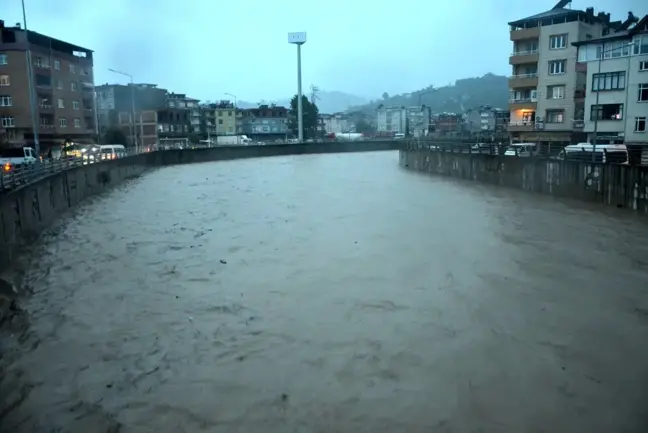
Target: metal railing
x: 541, y: 150
x: 534, y: 75
x: 524, y: 53
x: 16, y: 176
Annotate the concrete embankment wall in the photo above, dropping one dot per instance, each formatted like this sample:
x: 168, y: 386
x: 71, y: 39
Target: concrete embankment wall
x: 25, y: 212
x: 617, y: 185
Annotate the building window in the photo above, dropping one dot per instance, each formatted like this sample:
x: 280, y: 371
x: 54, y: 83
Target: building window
x: 640, y: 44
x: 558, y: 42
x: 4, y: 80
x: 42, y: 62
x: 556, y: 92
x: 220, y: 114
x: 60, y: 103
x: 643, y: 65
x: 59, y: 84
x: 73, y: 86
x: 640, y: 124
x: 555, y: 116
x: 72, y: 68
x: 8, y: 122
x: 220, y: 121
x: 63, y: 122
x: 607, y: 112
x: 5, y: 101
x: 643, y: 93
x: 557, y: 67
x: 57, y: 65
x: 608, y: 81
x: 75, y: 105
x: 77, y: 123
x: 3, y: 59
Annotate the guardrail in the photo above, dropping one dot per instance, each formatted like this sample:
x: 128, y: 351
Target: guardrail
x: 541, y: 150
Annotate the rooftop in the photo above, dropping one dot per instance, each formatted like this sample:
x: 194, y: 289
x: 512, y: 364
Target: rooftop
x: 49, y: 42
x: 628, y: 30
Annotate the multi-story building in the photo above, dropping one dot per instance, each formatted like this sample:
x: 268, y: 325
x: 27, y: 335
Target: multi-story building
x: 448, y: 124
x: 63, y: 84
x: 174, y: 120
x: 391, y: 119
x: 337, y: 123
x: 486, y: 121
x: 268, y: 122
x: 225, y: 117
x: 418, y: 120
x: 116, y: 103
x: 546, y: 86
x: 616, y: 101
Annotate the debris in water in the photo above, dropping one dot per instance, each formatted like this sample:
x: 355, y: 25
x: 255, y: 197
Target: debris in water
x: 223, y: 262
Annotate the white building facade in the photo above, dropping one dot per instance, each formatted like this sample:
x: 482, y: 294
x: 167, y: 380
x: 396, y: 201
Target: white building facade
x: 616, y: 103
x: 391, y: 119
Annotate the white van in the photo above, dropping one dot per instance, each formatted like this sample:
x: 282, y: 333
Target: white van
x: 521, y: 149
x: 112, y: 151
x: 587, y: 152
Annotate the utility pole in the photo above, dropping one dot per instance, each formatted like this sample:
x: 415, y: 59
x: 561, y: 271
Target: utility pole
x: 30, y: 85
x: 299, y: 39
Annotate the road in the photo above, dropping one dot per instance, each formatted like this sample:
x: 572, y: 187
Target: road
x: 332, y: 293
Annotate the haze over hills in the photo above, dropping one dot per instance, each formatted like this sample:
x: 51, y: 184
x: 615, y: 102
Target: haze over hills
x: 465, y: 94
x: 327, y: 101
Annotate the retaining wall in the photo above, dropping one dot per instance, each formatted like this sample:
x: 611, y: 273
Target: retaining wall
x: 25, y: 212
x: 616, y: 185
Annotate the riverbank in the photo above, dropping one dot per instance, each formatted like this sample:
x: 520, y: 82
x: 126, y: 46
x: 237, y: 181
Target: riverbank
x: 622, y: 186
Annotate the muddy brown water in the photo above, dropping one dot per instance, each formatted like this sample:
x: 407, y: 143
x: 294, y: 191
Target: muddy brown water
x: 332, y: 293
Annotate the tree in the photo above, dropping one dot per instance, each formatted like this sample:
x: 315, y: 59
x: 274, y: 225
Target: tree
x: 115, y: 136
x: 194, y: 138
x: 310, y: 117
x: 363, y: 127
x: 385, y: 96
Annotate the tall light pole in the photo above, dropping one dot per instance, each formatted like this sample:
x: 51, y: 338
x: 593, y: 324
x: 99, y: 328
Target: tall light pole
x: 30, y: 84
x: 132, y: 86
x: 235, y: 126
x: 299, y: 39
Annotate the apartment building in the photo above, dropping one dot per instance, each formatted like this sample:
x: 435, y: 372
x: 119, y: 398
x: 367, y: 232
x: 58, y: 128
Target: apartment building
x: 116, y: 103
x: 62, y: 75
x: 174, y: 119
x: 337, y: 123
x: 547, y: 88
x: 268, y: 122
x: 391, y: 119
x: 616, y: 102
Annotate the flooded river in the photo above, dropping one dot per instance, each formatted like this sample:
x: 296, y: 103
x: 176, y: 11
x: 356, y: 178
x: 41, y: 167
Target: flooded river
x: 331, y: 293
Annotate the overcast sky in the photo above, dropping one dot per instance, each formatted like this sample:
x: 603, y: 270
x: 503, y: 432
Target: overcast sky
x: 208, y: 47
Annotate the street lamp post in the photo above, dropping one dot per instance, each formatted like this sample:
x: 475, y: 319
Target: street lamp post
x: 238, y: 139
x: 30, y: 84
x: 299, y: 39
x: 132, y: 126
x: 598, y: 90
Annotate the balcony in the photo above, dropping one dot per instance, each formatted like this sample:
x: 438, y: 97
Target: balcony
x: 521, y: 34
x: 523, y: 80
x: 579, y: 94
x: 522, y: 126
x: 523, y: 104
x: 45, y: 108
x: 578, y: 124
x: 521, y: 57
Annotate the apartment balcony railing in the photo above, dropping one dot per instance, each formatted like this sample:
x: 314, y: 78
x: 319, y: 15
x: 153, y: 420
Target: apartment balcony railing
x: 578, y: 123
x: 521, y: 34
x: 523, y: 101
x: 517, y: 76
x: 579, y: 94
x: 524, y: 53
x: 524, y: 125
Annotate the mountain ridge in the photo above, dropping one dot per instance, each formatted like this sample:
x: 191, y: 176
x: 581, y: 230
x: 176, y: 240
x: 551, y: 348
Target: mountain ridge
x: 465, y: 93
x: 328, y: 102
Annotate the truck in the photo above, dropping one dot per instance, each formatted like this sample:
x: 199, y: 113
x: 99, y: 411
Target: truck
x: 14, y: 163
x: 229, y: 140
x: 349, y: 136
